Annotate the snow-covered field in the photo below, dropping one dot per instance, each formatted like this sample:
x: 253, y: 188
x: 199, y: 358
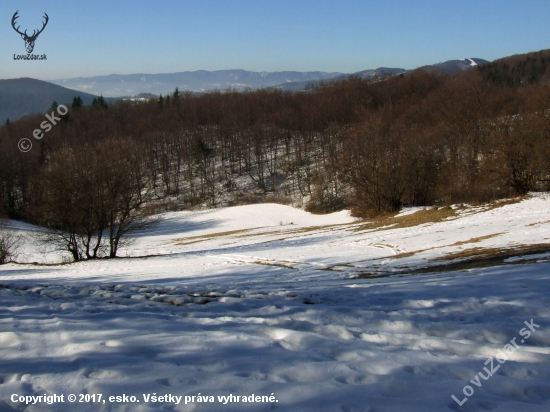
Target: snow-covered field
x: 314, y: 313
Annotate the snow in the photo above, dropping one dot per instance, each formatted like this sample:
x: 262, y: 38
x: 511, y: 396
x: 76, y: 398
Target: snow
x: 267, y: 299
x: 471, y: 61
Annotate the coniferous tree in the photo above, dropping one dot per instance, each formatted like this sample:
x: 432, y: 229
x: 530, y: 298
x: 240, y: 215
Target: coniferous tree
x: 77, y: 102
x: 100, y: 102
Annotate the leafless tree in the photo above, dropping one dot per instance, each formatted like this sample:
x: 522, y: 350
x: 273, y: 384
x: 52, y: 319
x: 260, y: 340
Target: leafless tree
x: 10, y: 243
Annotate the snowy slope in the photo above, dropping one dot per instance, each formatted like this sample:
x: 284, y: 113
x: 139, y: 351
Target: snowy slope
x: 327, y: 313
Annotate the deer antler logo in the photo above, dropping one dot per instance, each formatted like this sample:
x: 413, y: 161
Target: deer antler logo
x: 29, y: 40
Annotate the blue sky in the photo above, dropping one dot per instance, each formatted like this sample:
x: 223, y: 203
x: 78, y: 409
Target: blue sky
x: 89, y: 38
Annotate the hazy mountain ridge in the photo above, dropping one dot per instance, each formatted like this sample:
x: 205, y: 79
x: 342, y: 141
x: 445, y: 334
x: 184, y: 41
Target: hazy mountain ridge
x: 26, y: 96
x: 365, y: 74
x: 115, y: 85
x: 448, y: 67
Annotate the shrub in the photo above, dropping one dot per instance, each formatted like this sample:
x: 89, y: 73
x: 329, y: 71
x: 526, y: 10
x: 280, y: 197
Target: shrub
x: 9, y: 243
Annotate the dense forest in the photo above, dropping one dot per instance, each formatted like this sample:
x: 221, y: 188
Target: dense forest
x: 372, y: 145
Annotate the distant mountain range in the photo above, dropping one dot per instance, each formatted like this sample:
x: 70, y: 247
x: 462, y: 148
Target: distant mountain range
x: 448, y: 67
x: 20, y: 97
x: 365, y: 74
x: 116, y: 85
x: 25, y: 96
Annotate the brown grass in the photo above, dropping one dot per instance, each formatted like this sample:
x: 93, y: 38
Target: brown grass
x: 485, y: 257
x: 201, y: 238
x: 392, y: 221
x: 539, y: 223
x: 484, y: 253
x: 407, y: 254
x: 432, y: 215
x: 505, y: 202
x: 280, y: 265
x: 472, y: 240
x: 297, y: 231
x: 470, y: 259
x: 476, y: 239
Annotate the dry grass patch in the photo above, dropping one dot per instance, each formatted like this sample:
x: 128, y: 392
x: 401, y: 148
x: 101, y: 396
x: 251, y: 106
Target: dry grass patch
x: 324, y: 228
x: 295, y: 232
x: 505, y: 202
x: 393, y: 221
x: 539, y: 223
x: 484, y: 257
x: 407, y: 254
x: 280, y: 265
x: 201, y: 238
x: 464, y: 242
x: 431, y: 215
x: 494, y: 252
x: 476, y: 239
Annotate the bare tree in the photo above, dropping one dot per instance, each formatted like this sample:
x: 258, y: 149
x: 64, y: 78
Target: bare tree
x: 90, y: 199
x: 9, y: 243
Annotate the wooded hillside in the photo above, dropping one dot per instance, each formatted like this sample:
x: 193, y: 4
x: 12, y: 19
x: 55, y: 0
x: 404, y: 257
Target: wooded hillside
x: 374, y: 145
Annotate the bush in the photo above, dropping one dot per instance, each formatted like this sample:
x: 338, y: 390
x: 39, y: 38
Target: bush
x: 9, y: 243
x: 328, y: 204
